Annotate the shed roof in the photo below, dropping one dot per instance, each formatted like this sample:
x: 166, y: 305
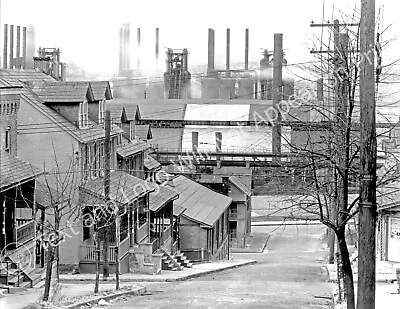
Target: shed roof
x: 151, y: 163
x: 14, y: 170
x: 202, y: 205
x: 128, y: 149
x: 161, y: 196
x: 124, y: 188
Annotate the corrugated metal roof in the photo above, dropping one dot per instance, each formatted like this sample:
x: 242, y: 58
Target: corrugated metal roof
x: 161, y: 196
x: 143, y: 131
x: 151, y: 164
x: 202, y: 205
x: 14, y: 170
x: 101, y: 90
x: 126, y: 150
x: 64, y: 92
x: 124, y: 188
x: 217, y: 112
x: 167, y: 110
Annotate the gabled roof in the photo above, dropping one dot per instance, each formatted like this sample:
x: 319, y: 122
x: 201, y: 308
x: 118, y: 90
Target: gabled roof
x: 13, y: 170
x: 124, y: 188
x: 123, y: 108
x: 151, y: 163
x: 161, y: 196
x: 166, y: 110
x: 143, y: 131
x: 126, y: 150
x: 64, y: 92
x: 93, y: 132
x: 203, y: 205
x: 101, y: 90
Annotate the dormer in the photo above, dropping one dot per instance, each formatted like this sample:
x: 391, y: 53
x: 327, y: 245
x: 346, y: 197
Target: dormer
x: 101, y: 93
x: 71, y: 100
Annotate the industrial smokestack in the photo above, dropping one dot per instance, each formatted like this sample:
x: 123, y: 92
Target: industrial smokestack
x: 30, y: 48
x: 127, y: 64
x: 24, y: 47
x: 18, y: 49
x: 228, y: 50
x: 138, y: 53
x: 218, y: 141
x: 211, y: 50
x: 246, y: 51
x: 195, y: 142
x: 5, y: 48
x: 157, y: 44
x: 11, y: 47
x: 121, y: 51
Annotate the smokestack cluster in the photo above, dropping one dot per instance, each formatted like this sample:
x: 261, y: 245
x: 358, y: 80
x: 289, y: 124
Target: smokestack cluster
x: 22, y: 56
x: 124, y: 49
x: 228, y: 51
x: 138, y: 51
x: 246, y: 50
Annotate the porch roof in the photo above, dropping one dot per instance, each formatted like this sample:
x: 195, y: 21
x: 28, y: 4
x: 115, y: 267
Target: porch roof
x: 238, y: 183
x: 14, y: 170
x: 203, y: 205
x: 128, y: 149
x: 151, y: 164
x: 124, y: 188
x: 161, y: 196
x: 178, y: 210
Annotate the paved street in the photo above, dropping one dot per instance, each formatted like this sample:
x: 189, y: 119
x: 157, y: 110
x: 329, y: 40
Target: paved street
x: 288, y: 274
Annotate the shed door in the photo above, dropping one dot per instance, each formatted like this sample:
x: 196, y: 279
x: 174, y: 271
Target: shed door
x: 394, y: 240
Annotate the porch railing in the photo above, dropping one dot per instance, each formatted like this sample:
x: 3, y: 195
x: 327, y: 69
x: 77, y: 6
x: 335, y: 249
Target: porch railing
x: 232, y: 215
x: 155, y: 244
x: 88, y: 252
x: 175, y: 247
x: 222, y: 251
x: 167, y: 233
x: 142, y: 232
x: 25, y: 232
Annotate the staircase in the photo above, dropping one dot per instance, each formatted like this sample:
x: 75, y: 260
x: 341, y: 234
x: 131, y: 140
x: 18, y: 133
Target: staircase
x: 174, y: 262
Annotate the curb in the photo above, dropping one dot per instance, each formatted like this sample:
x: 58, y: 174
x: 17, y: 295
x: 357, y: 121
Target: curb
x: 105, y: 297
x: 183, y: 278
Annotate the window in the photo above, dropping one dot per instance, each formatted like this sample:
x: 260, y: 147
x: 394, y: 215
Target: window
x: 101, y: 111
x: 83, y: 115
x: 7, y: 139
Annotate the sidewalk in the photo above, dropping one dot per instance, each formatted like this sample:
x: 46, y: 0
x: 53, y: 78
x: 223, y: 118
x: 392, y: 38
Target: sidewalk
x: 386, y: 296
x: 65, y: 292
x: 254, y: 244
x: 166, y: 275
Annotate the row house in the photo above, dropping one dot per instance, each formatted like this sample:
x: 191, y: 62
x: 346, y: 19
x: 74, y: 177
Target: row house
x: 203, y: 226
x: 17, y: 198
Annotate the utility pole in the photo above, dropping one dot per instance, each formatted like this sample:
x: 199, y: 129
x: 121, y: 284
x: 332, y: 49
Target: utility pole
x: 277, y: 97
x: 367, y: 204
x: 107, y: 157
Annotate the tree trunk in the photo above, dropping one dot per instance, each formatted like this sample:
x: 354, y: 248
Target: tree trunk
x: 97, y: 280
x: 331, y: 245
x: 346, y: 268
x: 106, y: 264
x: 47, y: 284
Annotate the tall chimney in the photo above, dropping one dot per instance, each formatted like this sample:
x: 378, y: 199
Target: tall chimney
x: 121, y: 51
x: 5, y: 48
x: 195, y: 142
x: 30, y: 47
x: 211, y: 51
x: 127, y: 64
x: 228, y: 50
x: 18, y: 48
x: 246, y: 51
x: 218, y: 141
x: 138, y: 53
x: 157, y: 44
x: 11, y: 47
x: 24, y: 47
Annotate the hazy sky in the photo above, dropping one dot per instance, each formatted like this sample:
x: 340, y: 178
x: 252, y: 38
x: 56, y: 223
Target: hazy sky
x: 87, y: 30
